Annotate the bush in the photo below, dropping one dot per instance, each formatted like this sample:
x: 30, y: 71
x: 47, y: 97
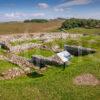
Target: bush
x: 36, y: 21
x: 85, y: 23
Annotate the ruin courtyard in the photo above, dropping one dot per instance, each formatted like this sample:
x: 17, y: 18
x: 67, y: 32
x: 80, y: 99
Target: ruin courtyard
x: 13, y: 45
x: 32, y: 60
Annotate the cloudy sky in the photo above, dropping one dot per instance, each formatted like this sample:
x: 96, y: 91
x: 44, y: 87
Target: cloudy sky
x: 11, y: 10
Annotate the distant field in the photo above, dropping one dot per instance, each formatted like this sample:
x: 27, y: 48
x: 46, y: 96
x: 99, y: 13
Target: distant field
x: 51, y: 26
x: 12, y: 28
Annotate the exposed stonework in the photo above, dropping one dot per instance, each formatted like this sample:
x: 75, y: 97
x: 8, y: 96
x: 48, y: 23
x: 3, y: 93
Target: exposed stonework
x: 42, y: 61
x: 5, y: 45
x: 86, y: 79
x: 46, y: 37
x: 22, y: 62
x: 78, y: 50
x: 11, y: 73
x: 24, y: 65
x: 23, y: 47
x: 59, y: 35
x: 56, y: 49
x: 2, y: 57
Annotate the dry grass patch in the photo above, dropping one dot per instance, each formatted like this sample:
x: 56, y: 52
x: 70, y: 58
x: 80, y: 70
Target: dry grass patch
x: 86, y: 79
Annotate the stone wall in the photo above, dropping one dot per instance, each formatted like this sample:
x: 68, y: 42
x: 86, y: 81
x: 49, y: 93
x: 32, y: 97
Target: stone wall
x: 40, y: 36
x: 23, y: 47
x: 43, y: 61
x: 11, y: 73
x: 25, y: 67
x: 22, y: 62
x: 78, y: 50
x: 5, y: 45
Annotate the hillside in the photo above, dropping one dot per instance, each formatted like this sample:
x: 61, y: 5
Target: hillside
x: 12, y: 28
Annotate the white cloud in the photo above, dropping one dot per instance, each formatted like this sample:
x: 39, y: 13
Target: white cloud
x: 43, y: 5
x: 38, y: 15
x: 58, y: 9
x: 19, y: 15
x: 14, y: 15
x: 73, y: 3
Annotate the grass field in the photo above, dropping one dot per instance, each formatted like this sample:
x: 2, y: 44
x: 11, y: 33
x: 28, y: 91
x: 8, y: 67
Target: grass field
x: 91, y: 41
x: 55, y: 83
x: 84, y: 31
x: 13, y: 28
x: 24, y: 42
x: 29, y: 53
x: 4, y: 65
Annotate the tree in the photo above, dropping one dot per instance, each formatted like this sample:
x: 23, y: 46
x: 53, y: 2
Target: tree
x: 73, y: 23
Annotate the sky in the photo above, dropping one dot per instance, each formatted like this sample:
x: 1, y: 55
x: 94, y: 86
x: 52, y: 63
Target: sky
x: 17, y: 10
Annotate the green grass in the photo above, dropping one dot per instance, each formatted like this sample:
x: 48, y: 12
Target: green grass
x: 4, y: 65
x: 2, y: 51
x: 29, y: 53
x: 25, y: 41
x: 84, y: 31
x: 56, y: 83
x: 90, y: 41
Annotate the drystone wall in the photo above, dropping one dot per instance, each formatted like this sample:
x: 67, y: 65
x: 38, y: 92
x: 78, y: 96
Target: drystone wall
x: 22, y: 62
x: 46, y: 37
x: 43, y: 61
x: 12, y: 73
x: 52, y: 36
x: 78, y: 50
x: 25, y: 67
x: 23, y: 47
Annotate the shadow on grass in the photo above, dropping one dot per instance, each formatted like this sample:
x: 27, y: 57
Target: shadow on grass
x: 62, y: 67
x: 35, y: 75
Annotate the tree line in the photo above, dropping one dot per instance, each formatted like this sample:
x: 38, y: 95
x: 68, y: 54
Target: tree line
x: 85, y: 23
x: 35, y: 21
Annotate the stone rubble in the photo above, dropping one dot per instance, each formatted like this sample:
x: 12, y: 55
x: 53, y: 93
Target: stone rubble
x: 23, y: 47
x: 86, y: 79
x: 42, y: 61
x: 39, y: 36
x: 22, y: 62
x: 79, y: 50
x: 24, y: 65
x: 2, y: 57
x: 11, y: 73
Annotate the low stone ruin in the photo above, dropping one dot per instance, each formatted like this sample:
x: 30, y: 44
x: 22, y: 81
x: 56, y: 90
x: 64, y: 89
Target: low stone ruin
x: 86, y: 79
x: 46, y: 37
x: 11, y: 73
x: 23, y: 47
x: 5, y: 45
x: 78, y: 50
x: 26, y: 65
x: 22, y: 62
x: 43, y: 61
